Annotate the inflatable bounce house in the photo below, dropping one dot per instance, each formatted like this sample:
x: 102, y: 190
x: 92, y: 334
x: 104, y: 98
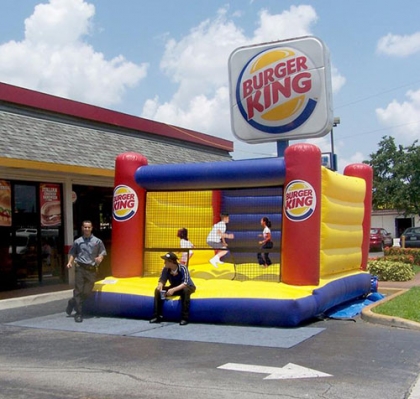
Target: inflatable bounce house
x: 320, y: 229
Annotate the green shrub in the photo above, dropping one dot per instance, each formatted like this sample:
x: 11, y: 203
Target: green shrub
x: 389, y: 270
x: 397, y: 251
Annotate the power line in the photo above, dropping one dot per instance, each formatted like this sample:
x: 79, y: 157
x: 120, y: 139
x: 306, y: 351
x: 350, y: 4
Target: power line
x: 377, y: 94
x: 379, y: 130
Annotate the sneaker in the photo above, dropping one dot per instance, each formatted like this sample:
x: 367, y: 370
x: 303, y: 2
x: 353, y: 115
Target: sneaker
x: 156, y: 320
x: 69, y: 307
x: 183, y: 322
x: 220, y: 262
x: 213, y: 262
x: 78, y: 318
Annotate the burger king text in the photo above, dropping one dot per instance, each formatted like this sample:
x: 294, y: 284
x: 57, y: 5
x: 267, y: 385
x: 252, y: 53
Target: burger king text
x: 265, y: 89
x: 124, y: 201
x: 299, y: 198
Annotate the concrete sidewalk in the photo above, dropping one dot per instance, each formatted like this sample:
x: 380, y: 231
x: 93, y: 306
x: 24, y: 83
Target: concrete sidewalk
x: 34, y: 296
x: 24, y: 292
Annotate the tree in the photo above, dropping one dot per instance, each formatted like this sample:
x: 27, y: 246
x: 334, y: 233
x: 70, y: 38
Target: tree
x: 396, y: 176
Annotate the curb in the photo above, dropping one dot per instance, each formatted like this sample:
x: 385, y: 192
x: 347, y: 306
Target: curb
x: 34, y: 299
x: 390, y: 321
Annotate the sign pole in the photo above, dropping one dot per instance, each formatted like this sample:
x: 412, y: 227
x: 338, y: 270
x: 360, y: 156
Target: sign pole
x: 281, y: 147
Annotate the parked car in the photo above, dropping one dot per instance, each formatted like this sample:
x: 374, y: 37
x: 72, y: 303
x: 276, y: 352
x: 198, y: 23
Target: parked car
x: 379, y: 239
x: 25, y: 239
x: 412, y: 237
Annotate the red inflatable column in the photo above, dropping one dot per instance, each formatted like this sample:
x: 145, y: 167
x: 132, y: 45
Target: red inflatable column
x: 128, y: 220
x: 365, y: 172
x: 300, y: 260
x: 217, y: 205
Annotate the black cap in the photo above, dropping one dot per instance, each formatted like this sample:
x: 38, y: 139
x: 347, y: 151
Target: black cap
x: 170, y: 256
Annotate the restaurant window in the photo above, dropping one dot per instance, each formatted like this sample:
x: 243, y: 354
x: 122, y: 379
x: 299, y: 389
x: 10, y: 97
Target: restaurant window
x: 35, y: 244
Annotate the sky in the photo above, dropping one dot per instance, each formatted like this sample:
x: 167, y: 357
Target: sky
x: 167, y: 60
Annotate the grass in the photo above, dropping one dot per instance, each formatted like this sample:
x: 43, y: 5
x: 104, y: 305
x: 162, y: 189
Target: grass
x: 405, y: 306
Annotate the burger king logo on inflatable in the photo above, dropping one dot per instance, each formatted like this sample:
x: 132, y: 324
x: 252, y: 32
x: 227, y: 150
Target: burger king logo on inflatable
x: 299, y: 200
x: 125, y: 203
x: 278, y: 90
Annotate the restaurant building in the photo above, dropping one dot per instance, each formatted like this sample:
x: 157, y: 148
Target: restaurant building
x: 57, y: 169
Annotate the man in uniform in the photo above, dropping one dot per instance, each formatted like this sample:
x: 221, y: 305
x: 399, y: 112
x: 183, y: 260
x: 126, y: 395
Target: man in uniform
x: 86, y: 254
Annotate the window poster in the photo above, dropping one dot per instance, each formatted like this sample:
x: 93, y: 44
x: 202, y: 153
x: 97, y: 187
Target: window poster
x: 5, y: 203
x: 50, y: 202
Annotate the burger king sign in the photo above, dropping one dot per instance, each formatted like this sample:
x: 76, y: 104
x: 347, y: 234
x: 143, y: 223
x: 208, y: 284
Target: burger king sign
x: 280, y: 91
x: 125, y: 203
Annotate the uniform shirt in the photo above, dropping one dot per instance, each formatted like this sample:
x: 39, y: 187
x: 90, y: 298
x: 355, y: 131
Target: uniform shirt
x: 214, y: 236
x: 86, y: 249
x: 183, y: 276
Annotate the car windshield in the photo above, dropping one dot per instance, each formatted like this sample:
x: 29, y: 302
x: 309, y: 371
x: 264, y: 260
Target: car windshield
x: 374, y: 231
x: 413, y: 230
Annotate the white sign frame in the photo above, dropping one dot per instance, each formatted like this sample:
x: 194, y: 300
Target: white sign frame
x: 268, y: 81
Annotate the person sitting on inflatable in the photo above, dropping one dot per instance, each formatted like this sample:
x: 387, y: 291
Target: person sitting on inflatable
x: 180, y: 284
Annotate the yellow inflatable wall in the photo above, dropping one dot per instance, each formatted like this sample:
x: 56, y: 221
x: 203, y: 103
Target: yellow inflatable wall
x: 341, y: 223
x: 166, y: 213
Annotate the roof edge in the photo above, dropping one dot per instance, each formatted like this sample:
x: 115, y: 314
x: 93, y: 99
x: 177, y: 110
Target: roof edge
x: 47, y: 102
x: 55, y: 167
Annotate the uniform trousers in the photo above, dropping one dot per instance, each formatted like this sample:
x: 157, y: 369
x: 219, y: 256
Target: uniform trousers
x: 84, y: 281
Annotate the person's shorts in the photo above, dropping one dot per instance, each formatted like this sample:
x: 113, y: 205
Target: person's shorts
x: 216, y: 245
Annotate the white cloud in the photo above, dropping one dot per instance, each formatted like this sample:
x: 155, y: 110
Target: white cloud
x: 323, y: 143
x: 198, y: 64
x: 295, y: 22
x: 60, y: 22
x: 338, y: 80
x: 399, y: 46
x: 357, y: 157
x: 403, y: 118
x: 339, y: 147
x: 201, y: 113
x: 53, y: 57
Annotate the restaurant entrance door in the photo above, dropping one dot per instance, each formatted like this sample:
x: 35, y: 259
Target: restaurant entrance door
x: 95, y: 204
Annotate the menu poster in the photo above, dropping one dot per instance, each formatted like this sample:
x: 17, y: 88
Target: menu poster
x: 5, y: 203
x: 50, y: 201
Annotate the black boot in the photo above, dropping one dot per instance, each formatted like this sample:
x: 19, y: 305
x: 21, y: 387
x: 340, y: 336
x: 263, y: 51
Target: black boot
x: 70, y: 307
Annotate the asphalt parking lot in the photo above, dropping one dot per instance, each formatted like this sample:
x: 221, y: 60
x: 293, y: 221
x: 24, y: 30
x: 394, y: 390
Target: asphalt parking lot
x: 45, y: 354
